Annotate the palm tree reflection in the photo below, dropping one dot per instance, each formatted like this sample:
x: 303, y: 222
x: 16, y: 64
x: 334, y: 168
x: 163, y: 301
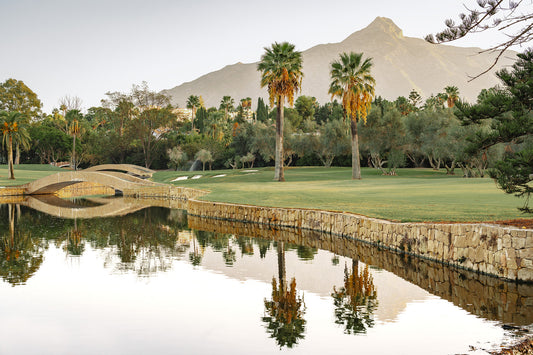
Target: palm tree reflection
x: 356, y: 301
x: 20, y: 255
x: 285, y: 311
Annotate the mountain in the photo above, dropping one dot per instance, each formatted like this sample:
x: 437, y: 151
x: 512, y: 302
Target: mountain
x: 400, y: 65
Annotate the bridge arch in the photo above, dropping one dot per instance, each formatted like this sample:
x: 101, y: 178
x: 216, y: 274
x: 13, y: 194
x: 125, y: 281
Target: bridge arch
x: 52, y: 183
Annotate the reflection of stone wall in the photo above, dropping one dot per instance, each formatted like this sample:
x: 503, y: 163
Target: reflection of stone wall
x: 485, y: 296
x: 505, y: 252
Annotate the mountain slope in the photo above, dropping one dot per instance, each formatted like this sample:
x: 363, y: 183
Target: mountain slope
x: 400, y: 65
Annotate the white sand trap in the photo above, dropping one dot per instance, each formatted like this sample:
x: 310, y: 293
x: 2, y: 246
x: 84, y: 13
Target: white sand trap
x: 249, y: 171
x: 180, y: 178
x: 196, y: 176
x: 221, y: 175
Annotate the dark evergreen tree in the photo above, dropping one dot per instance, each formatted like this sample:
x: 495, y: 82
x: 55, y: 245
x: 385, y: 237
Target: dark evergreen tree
x: 510, y: 110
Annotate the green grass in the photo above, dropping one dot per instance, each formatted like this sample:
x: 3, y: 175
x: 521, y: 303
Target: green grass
x: 413, y: 195
x: 25, y: 173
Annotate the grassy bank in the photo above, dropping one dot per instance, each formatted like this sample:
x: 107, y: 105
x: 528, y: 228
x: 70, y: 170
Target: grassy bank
x: 25, y: 173
x: 413, y: 195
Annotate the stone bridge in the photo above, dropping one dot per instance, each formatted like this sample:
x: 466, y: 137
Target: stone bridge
x: 126, y: 168
x: 114, y: 179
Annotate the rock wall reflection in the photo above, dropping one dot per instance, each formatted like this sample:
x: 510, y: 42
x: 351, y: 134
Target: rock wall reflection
x: 485, y: 296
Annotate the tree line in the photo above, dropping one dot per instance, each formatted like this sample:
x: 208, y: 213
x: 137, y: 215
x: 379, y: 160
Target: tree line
x: 142, y: 127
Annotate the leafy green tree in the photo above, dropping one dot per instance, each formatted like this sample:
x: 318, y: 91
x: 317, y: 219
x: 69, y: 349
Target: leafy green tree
x: 383, y: 137
x: 281, y: 73
x: 177, y: 157
x: 306, y: 107
x: 330, y: 111
x: 49, y: 142
x: 352, y: 82
x: 13, y: 132
x: 16, y: 96
x: 204, y: 156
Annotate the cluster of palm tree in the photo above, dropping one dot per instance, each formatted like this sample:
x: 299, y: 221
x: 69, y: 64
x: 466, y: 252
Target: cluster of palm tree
x: 13, y: 133
x: 351, y: 81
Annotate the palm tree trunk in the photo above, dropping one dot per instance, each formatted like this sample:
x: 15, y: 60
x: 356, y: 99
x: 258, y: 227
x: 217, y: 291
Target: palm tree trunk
x: 356, y: 164
x: 17, y: 154
x: 10, y: 158
x: 278, y: 172
x: 74, y: 152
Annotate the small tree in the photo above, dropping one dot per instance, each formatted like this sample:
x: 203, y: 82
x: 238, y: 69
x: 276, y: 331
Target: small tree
x: 177, y: 157
x: 205, y: 157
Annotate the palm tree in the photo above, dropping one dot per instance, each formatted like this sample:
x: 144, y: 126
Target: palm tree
x: 193, y: 102
x: 227, y: 104
x: 73, y: 118
x: 452, y: 95
x: 351, y: 81
x: 281, y: 72
x: 13, y: 132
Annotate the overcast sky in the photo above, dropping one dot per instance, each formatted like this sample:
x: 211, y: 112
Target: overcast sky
x: 86, y: 48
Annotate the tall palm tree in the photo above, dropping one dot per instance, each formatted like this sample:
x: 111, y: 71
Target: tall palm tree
x: 193, y: 102
x: 452, y: 95
x: 281, y: 73
x: 352, y: 82
x: 73, y: 118
x: 227, y: 104
x: 13, y: 133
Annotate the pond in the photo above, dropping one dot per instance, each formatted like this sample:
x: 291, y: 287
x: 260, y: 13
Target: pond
x: 154, y: 280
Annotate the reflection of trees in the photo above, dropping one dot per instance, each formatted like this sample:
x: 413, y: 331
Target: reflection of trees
x: 195, y: 256
x: 74, y: 244
x: 356, y: 300
x: 20, y: 255
x: 285, y: 311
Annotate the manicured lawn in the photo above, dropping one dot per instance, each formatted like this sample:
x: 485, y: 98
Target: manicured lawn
x: 25, y: 173
x: 413, y: 195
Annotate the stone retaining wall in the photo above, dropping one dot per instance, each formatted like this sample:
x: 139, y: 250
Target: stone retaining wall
x: 505, y: 252
x: 11, y: 191
x: 488, y: 297
x: 164, y: 191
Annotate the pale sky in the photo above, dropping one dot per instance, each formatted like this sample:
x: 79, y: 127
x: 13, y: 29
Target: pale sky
x: 86, y: 48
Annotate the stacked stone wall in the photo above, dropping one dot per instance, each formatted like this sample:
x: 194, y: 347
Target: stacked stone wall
x: 505, y: 252
x: 482, y: 295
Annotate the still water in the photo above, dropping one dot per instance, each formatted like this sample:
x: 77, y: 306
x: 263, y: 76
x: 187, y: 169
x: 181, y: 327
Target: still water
x: 155, y: 281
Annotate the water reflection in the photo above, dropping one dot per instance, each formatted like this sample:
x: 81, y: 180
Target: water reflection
x: 148, y: 242
x: 356, y: 300
x: 20, y: 254
x: 484, y: 296
x: 285, y: 311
